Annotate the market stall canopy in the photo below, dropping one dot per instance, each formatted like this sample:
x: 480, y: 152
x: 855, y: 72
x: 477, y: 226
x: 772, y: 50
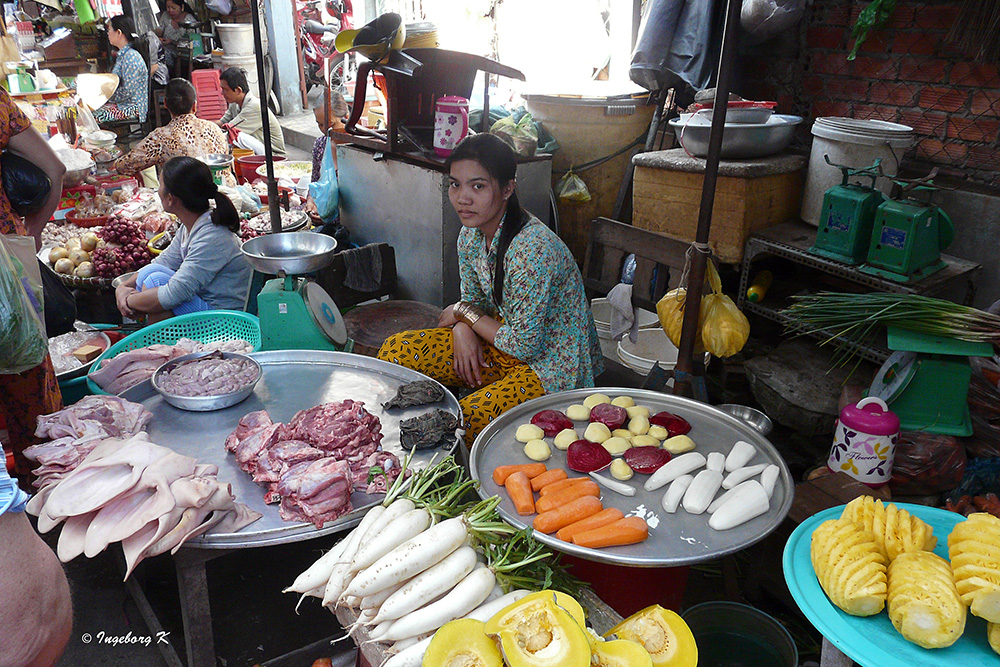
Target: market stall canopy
x: 96, y: 89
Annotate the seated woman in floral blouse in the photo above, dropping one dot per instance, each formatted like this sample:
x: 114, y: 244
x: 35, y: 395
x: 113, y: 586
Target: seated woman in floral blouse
x: 131, y: 98
x: 185, y: 134
x: 523, y: 326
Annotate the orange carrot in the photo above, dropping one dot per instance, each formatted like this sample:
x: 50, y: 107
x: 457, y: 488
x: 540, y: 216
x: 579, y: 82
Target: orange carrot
x: 519, y: 489
x: 561, y: 484
x: 571, y: 512
x: 629, y: 530
x: 547, y: 477
x: 602, y: 518
x: 501, y: 473
x: 560, y: 498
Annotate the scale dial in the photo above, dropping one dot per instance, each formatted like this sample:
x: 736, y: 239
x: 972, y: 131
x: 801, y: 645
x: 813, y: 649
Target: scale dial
x: 894, y: 375
x: 325, y: 313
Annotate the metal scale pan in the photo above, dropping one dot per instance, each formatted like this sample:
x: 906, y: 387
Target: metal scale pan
x: 674, y: 539
x: 292, y: 380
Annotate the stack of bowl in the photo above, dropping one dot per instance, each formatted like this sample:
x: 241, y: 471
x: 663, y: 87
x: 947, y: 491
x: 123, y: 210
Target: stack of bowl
x: 602, y: 317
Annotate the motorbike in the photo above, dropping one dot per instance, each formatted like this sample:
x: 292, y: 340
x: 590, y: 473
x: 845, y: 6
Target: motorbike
x: 317, y: 42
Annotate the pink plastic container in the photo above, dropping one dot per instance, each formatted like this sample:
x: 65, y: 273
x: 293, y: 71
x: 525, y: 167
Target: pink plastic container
x: 864, y: 442
x: 451, y: 123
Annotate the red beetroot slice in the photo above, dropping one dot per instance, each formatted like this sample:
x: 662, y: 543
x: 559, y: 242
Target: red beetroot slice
x: 611, y: 416
x: 551, y: 421
x: 587, y: 456
x: 646, y: 459
x: 675, y: 425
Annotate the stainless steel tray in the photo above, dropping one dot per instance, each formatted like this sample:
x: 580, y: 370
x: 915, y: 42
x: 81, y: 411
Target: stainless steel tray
x: 674, y: 539
x: 293, y: 380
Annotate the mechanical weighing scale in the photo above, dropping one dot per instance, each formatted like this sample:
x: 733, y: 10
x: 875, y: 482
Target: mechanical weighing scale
x: 845, y: 226
x: 909, y: 234
x: 926, y: 381
x: 295, y: 313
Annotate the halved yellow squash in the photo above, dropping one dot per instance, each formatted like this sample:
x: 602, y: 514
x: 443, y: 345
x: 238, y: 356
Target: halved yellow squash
x: 664, y: 635
x: 462, y: 643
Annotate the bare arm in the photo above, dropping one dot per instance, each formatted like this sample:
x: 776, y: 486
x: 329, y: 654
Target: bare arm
x: 30, y: 145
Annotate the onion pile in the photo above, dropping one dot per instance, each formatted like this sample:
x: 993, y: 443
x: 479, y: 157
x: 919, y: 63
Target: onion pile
x: 128, y: 253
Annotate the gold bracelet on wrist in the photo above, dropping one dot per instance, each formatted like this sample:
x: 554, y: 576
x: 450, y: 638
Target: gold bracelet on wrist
x: 467, y: 313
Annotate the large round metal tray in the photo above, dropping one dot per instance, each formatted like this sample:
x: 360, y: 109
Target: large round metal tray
x: 674, y: 539
x: 292, y: 380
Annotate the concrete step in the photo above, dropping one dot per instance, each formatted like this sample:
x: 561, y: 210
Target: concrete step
x: 300, y: 130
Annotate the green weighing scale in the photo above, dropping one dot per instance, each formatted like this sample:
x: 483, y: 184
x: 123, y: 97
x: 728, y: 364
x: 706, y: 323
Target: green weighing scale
x: 925, y: 381
x: 295, y: 313
x: 845, y: 226
x: 909, y: 234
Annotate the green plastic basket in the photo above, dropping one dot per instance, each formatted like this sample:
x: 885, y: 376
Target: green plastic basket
x: 206, y: 326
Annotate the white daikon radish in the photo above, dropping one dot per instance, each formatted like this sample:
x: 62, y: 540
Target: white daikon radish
x: 341, y: 572
x: 720, y: 501
x: 680, y: 465
x: 460, y: 600
x: 739, y: 475
x: 429, y: 584
x: 768, y: 479
x: 402, y: 529
x: 317, y: 574
x: 613, y: 484
x: 740, y: 455
x: 716, y: 461
x: 750, y: 502
x: 375, y: 600
x: 672, y: 498
x: 703, y: 488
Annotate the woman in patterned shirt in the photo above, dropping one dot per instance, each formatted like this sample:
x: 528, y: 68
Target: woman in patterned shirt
x: 539, y: 336
x: 131, y: 99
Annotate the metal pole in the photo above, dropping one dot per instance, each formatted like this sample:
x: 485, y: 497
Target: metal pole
x: 696, y: 276
x: 265, y: 119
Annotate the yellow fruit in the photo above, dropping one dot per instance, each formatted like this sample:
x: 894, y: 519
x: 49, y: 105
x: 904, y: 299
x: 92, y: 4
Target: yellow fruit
x: 974, y: 548
x: 537, y: 632
x: 924, y: 605
x: 462, y: 642
x: 896, y: 531
x: 849, y: 566
x: 663, y: 634
x: 993, y: 636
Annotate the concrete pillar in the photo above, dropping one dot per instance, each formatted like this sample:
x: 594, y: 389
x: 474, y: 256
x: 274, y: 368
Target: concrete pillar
x: 279, y: 15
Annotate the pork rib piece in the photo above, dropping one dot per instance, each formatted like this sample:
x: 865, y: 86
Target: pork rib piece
x: 250, y: 422
x: 316, y: 491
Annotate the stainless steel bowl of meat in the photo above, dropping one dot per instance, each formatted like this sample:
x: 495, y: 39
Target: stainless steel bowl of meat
x: 290, y: 253
x: 206, y: 381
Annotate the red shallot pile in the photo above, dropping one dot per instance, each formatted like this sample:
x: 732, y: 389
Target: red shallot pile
x: 126, y: 250
x: 313, y: 463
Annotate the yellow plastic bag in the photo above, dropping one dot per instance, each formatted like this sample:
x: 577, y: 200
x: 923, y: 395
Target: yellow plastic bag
x: 724, y: 328
x: 572, y: 188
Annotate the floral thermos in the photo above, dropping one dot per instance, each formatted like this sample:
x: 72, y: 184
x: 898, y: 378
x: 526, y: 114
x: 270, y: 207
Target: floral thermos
x: 451, y: 123
x: 864, y: 442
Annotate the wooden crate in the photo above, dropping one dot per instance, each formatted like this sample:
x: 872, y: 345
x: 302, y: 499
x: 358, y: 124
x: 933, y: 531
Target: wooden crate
x: 749, y: 195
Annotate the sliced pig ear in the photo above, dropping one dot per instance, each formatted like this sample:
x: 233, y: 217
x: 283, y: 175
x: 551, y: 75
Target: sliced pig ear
x: 238, y: 517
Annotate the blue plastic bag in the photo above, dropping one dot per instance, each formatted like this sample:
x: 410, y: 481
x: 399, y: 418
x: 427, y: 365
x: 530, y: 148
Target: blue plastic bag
x: 325, y: 192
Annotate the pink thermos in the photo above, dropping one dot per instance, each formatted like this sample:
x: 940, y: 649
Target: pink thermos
x: 451, y: 123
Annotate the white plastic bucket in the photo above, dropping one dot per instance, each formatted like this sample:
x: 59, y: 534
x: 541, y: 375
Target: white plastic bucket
x: 602, y: 317
x: 857, y: 144
x: 249, y: 63
x: 237, y: 38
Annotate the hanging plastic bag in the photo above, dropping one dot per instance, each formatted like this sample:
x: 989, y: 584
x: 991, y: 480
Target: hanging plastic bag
x: 670, y: 310
x: 525, y: 136
x: 22, y: 333
x: 325, y: 192
x: 572, y: 188
x: 724, y: 328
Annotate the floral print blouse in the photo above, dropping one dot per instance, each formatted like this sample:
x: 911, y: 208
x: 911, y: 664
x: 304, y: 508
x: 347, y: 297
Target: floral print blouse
x: 132, y: 95
x: 12, y: 122
x: 184, y: 135
x: 547, y: 321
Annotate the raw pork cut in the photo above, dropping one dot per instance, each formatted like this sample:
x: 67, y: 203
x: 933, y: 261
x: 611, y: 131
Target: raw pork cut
x: 316, y: 491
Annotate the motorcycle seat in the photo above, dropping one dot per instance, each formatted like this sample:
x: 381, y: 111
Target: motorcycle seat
x: 317, y: 28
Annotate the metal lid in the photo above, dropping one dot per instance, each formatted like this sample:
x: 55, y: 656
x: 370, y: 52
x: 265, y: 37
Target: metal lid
x: 325, y: 313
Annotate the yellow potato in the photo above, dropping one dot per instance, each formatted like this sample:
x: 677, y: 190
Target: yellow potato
x: 623, y: 402
x: 622, y: 433
x: 537, y: 450
x: 621, y: 470
x: 595, y: 399
x: 565, y: 438
x: 616, y: 446
x: 637, y: 411
x: 658, y: 432
x: 678, y: 444
x: 638, y: 425
x: 597, y: 432
x: 578, y: 413
x: 644, y: 441
x: 528, y: 432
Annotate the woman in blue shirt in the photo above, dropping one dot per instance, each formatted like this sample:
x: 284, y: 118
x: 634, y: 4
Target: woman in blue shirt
x: 203, y: 268
x: 131, y: 99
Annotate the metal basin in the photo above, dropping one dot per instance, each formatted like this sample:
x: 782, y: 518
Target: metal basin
x: 740, y: 140
x: 751, y: 416
x: 290, y: 253
x: 204, y: 403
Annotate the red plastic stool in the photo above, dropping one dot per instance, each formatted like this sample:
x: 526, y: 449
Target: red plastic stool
x: 211, y: 104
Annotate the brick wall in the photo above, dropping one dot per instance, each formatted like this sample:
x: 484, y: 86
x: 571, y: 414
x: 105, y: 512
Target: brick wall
x: 905, y: 73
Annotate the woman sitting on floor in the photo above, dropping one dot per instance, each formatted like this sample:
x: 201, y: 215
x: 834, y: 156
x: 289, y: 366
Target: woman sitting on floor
x: 203, y: 268
x: 131, y: 99
x: 523, y: 326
